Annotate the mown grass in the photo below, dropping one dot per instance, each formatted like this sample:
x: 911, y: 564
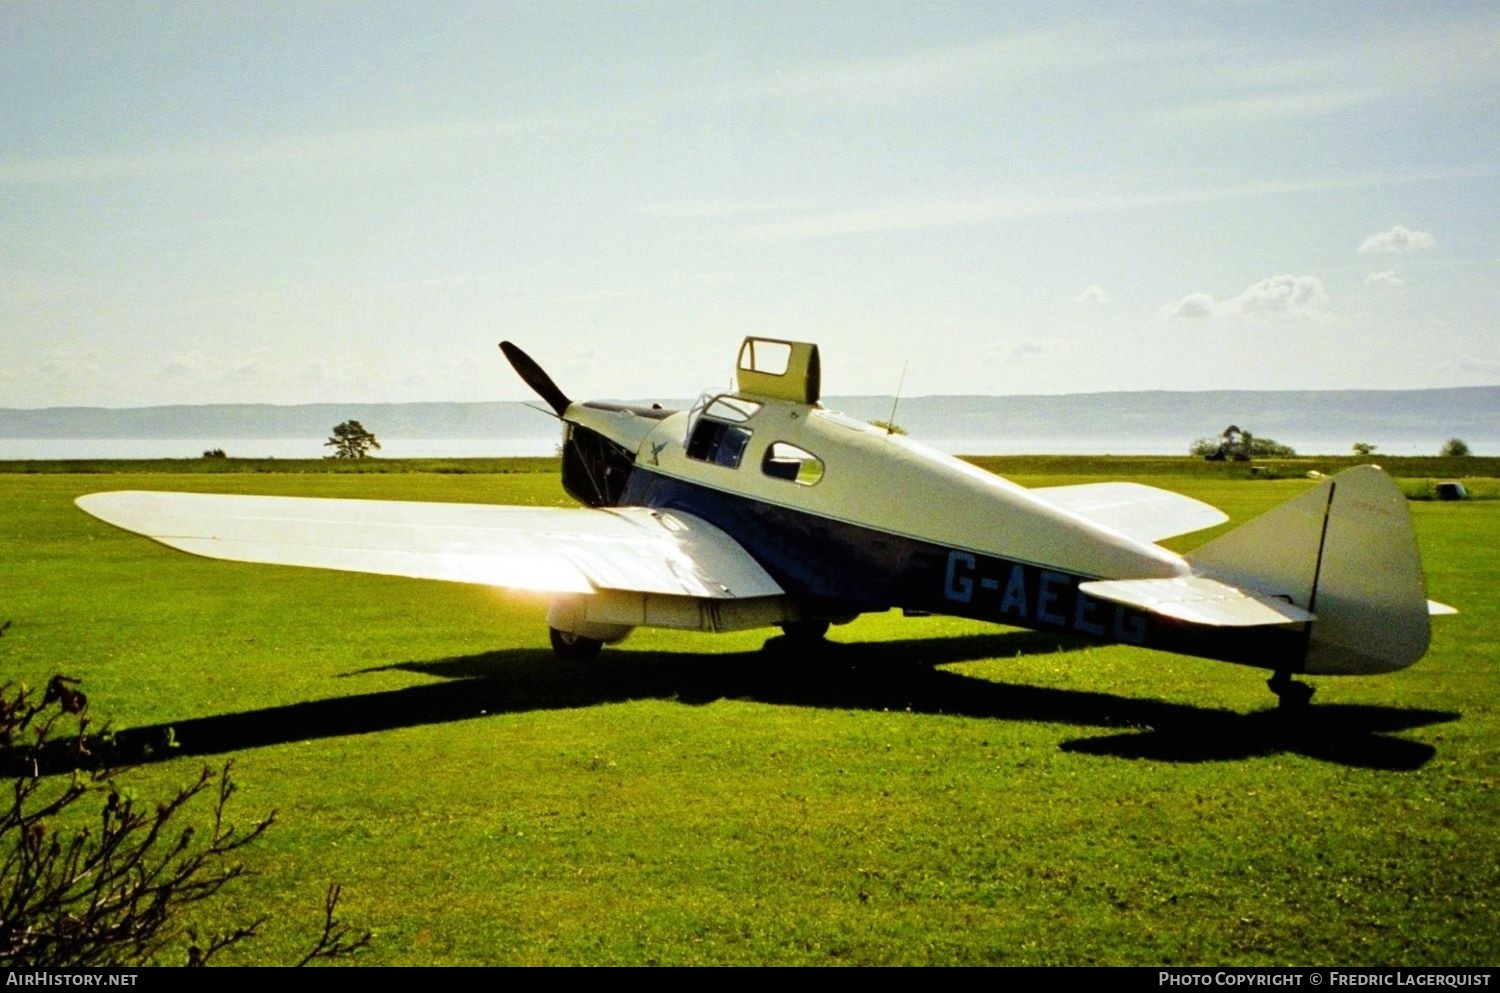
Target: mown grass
x: 921, y: 791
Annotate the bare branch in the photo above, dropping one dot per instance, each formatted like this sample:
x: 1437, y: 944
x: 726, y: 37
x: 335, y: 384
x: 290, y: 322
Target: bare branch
x: 122, y: 889
x: 337, y: 941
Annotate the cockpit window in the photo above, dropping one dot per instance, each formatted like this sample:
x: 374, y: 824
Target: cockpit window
x: 715, y: 433
x: 714, y: 441
x: 787, y: 461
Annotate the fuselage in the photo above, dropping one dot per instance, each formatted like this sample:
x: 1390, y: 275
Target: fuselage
x: 848, y: 519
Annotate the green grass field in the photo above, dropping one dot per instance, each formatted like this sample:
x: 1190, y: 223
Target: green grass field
x: 922, y: 791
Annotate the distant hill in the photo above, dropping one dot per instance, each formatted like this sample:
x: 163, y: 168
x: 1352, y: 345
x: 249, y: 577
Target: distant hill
x: 1297, y: 418
x: 1382, y: 417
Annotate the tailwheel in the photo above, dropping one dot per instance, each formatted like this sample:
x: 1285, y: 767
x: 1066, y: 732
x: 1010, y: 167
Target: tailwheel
x: 574, y: 647
x: 1290, y: 694
x: 806, y: 631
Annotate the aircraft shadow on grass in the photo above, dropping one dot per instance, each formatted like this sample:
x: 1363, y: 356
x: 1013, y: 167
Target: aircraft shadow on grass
x: 897, y: 675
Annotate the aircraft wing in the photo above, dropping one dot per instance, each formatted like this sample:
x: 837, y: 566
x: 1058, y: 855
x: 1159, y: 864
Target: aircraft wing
x: 1134, y: 509
x: 550, y: 549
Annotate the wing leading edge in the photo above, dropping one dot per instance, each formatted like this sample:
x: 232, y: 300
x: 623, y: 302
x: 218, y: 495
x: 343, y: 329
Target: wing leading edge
x: 547, y: 549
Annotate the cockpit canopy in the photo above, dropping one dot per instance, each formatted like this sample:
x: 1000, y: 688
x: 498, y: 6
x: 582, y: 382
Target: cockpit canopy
x: 779, y: 370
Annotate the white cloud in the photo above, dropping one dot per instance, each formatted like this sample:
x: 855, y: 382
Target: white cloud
x: 1193, y: 306
x: 1274, y: 296
x: 1280, y: 296
x: 1397, y: 239
x: 1386, y: 277
x: 1094, y: 294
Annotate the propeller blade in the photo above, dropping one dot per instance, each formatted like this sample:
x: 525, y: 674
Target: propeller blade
x: 533, y: 376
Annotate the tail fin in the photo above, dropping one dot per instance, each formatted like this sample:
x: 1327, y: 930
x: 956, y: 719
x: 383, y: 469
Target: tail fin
x: 1345, y: 551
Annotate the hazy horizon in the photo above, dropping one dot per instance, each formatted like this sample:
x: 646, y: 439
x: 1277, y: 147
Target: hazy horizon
x: 1143, y: 422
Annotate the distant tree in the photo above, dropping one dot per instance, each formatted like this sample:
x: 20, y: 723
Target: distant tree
x: 1207, y: 448
x: 889, y: 427
x: 1364, y: 448
x: 351, y: 441
x: 1238, y: 445
x: 1266, y: 448
x: 1235, y: 444
x: 215, y: 453
x: 1454, y: 448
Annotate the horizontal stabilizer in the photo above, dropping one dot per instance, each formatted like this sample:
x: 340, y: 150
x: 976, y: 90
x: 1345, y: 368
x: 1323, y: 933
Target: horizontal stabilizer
x: 1197, y: 600
x: 1145, y: 513
x: 548, y: 549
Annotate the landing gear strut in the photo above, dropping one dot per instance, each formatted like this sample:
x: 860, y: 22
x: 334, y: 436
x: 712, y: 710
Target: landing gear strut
x: 1290, y: 694
x: 574, y: 647
x: 805, y: 632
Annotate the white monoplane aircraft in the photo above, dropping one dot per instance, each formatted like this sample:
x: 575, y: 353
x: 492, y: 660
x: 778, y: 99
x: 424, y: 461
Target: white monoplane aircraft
x: 758, y: 507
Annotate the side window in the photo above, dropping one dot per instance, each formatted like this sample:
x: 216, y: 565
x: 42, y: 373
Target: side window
x: 719, y: 443
x: 786, y: 461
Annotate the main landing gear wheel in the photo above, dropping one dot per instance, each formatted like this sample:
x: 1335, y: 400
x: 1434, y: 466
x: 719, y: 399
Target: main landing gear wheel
x: 574, y: 647
x: 1290, y: 694
x: 806, y: 631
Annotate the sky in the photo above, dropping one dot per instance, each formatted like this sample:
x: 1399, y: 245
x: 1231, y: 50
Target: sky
x: 300, y: 202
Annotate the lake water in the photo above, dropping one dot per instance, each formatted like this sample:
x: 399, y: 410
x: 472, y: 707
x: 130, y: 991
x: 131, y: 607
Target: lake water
x: 312, y: 448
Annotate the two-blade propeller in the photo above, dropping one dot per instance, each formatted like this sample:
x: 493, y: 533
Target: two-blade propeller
x: 533, y: 376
